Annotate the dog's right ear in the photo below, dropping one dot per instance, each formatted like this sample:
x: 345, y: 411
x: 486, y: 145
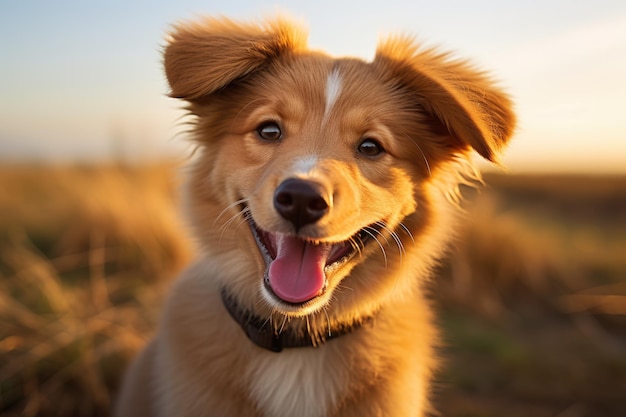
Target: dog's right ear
x: 463, y: 100
x: 205, y: 56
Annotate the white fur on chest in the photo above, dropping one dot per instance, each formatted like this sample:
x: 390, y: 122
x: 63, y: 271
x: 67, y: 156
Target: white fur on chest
x: 296, y: 382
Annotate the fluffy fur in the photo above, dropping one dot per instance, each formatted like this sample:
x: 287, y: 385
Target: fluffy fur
x: 385, y: 145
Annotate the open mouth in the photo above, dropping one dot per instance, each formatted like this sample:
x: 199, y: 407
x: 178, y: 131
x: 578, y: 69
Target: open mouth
x: 297, y: 269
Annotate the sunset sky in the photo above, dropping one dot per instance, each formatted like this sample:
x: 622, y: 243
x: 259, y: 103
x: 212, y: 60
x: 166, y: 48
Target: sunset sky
x: 82, y: 80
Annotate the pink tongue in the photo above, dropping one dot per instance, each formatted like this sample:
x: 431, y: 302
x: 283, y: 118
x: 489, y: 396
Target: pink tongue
x: 297, y: 273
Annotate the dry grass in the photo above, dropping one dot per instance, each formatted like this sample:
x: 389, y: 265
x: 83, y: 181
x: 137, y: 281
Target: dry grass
x: 87, y: 252
x: 534, y: 300
x: 85, y: 255
x: 559, y: 240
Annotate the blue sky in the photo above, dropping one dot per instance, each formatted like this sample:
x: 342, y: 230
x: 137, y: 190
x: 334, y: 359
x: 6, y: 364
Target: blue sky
x: 82, y: 80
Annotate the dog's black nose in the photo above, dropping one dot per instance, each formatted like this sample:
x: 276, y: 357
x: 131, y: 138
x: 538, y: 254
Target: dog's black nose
x: 301, y: 202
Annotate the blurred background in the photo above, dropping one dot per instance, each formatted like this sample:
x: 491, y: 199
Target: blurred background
x: 532, y: 300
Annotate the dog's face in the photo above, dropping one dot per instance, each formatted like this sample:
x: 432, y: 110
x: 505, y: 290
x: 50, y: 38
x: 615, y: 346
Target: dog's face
x: 311, y: 167
x: 317, y: 154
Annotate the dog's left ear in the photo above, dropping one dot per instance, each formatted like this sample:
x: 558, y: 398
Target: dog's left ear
x: 464, y: 100
x: 202, y: 57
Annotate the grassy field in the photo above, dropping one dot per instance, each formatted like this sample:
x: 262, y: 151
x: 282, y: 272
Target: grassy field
x: 532, y: 301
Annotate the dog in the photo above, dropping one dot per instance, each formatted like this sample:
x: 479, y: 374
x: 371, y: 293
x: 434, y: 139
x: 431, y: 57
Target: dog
x: 322, y: 194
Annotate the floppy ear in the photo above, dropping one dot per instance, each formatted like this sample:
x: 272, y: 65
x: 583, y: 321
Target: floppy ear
x: 464, y: 100
x: 203, y: 57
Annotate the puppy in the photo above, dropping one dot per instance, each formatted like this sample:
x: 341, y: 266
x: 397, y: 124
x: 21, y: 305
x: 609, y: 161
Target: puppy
x: 322, y: 193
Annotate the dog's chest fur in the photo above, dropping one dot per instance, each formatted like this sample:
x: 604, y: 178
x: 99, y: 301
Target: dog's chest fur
x: 297, y: 382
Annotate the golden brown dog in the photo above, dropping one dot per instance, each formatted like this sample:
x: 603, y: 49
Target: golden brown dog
x: 323, y: 192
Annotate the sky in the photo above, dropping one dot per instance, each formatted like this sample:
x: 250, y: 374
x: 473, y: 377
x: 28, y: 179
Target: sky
x: 83, y: 80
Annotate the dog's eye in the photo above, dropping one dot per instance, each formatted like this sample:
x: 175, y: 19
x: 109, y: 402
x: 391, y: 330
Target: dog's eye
x: 370, y: 147
x: 269, y: 131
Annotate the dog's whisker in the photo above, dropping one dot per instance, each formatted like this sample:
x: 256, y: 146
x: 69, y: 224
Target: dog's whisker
x: 271, y: 319
x: 282, y: 326
x: 243, y: 220
x: 246, y: 216
x: 308, y: 325
x: 228, y: 222
x: 379, y: 233
x: 408, y: 232
x: 399, y: 243
x: 430, y: 174
x: 381, y: 226
x: 327, y: 321
x: 355, y: 245
x: 234, y: 218
x: 268, y: 320
x: 238, y: 215
x: 373, y: 236
x: 228, y: 207
x: 394, y: 236
x: 345, y: 287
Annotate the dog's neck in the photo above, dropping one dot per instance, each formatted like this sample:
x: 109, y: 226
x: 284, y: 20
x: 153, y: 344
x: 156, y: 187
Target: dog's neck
x: 262, y: 333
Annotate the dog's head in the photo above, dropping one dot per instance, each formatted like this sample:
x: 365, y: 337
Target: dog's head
x: 317, y: 176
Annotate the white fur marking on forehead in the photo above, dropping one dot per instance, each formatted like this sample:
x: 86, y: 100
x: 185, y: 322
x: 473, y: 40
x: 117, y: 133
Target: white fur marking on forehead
x: 333, y: 88
x: 304, y: 165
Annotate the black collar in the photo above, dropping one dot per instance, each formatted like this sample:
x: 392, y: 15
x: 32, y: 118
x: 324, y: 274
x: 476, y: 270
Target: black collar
x: 262, y: 334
